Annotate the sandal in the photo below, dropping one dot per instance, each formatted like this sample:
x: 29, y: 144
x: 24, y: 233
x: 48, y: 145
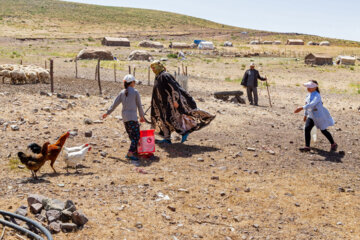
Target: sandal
x: 184, y: 137
x: 132, y: 158
x: 334, y: 147
x: 305, y: 149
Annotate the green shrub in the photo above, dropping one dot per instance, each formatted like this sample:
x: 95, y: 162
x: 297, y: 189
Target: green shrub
x: 172, y: 55
x: 91, y: 39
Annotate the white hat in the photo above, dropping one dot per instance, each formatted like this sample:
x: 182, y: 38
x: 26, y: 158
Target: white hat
x: 252, y: 64
x: 310, y: 84
x: 129, y: 78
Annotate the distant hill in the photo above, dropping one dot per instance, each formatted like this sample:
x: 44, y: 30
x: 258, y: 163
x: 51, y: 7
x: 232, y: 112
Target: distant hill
x: 59, y: 19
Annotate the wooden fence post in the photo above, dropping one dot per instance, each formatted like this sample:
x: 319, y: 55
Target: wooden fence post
x: 129, y: 69
x: 99, y: 81
x: 186, y: 72
x: 76, y: 68
x: 45, y: 64
x: 134, y: 71
x: 52, y: 75
x: 115, y: 72
x: 21, y: 62
x: 96, y: 71
x: 148, y: 76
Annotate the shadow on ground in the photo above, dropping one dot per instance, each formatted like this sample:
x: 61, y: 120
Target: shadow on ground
x: 183, y: 150
x: 143, y: 162
x: 329, y: 156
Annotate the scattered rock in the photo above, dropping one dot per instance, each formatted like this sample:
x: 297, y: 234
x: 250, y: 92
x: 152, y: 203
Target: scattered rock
x: 247, y: 190
x: 139, y: 225
x: 103, y: 153
x: 70, y: 206
x: 53, y: 215
x: 22, y: 210
x: 14, y: 127
x: 251, y: 149
x: 79, y: 218
x: 54, y: 227
x: 183, y: 190
x: 36, y: 208
x: 62, y: 95
x: 88, y: 121
x: 46, y: 109
x: 200, y: 160
x: 68, y: 227
x: 237, y: 218
x: 66, y: 216
x: 53, y: 204
x: 215, y: 178
x: 172, y: 208
x: 35, y: 198
x: 297, y: 204
x: 88, y: 134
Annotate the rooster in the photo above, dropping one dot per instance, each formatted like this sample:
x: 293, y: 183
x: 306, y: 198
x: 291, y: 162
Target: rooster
x: 55, y: 149
x: 34, y: 147
x: 34, y: 162
x: 72, y: 159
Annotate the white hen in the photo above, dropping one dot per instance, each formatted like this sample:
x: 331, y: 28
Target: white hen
x: 72, y: 159
x: 75, y: 149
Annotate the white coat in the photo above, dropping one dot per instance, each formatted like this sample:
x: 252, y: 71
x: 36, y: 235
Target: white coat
x: 315, y: 110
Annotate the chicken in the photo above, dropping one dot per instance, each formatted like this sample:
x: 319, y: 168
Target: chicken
x: 34, y: 147
x: 34, y: 162
x: 75, y: 149
x: 55, y: 149
x: 72, y: 159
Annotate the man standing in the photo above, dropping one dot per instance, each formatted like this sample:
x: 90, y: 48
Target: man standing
x: 250, y: 81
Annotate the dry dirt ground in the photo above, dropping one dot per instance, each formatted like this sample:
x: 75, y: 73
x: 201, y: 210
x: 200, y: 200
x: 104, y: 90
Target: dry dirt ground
x: 218, y: 188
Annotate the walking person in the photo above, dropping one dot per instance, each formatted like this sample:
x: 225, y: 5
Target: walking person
x: 316, y: 115
x: 173, y: 109
x: 131, y: 102
x: 250, y: 81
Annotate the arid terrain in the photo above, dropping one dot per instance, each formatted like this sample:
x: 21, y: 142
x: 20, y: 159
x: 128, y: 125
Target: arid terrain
x: 242, y: 177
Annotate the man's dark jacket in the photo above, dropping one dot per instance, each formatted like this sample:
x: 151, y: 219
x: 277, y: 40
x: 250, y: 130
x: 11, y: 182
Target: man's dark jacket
x: 244, y: 81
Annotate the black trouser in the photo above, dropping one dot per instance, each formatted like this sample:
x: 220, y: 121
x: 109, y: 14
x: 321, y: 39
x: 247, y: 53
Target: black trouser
x: 308, y: 126
x: 250, y: 91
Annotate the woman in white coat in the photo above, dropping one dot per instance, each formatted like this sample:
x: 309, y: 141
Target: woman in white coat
x: 316, y: 115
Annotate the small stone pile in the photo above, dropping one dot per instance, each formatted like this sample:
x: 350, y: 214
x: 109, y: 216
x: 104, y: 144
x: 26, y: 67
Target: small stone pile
x: 58, y: 215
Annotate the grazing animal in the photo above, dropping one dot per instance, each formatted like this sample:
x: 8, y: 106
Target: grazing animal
x: 34, y: 162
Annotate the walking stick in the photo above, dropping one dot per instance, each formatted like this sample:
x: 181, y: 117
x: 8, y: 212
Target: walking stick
x: 267, y: 87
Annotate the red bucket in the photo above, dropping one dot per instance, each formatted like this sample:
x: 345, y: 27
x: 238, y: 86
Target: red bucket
x: 147, y: 142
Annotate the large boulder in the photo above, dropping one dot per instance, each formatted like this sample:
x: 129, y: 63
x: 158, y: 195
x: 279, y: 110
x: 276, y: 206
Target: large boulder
x: 95, y: 54
x: 140, y: 55
x: 150, y: 44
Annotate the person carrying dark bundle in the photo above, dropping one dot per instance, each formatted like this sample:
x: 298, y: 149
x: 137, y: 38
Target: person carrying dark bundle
x: 172, y: 108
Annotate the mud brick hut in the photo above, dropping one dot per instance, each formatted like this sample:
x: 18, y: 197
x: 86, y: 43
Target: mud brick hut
x: 254, y: 42
x: 318, y: 59
x: 268, y: 42
x: 180, y: 45
x: 277, y: 42
x: 346, y: 60
x: 295, y: 42
x: 324, y: 43
x: 111, y: 41
x: 150, y: 44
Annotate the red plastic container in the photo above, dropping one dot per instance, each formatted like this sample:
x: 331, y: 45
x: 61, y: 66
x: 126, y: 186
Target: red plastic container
x: 147, y: 142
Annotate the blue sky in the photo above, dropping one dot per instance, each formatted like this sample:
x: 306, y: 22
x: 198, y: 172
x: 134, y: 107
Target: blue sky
x: 328, y: 18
